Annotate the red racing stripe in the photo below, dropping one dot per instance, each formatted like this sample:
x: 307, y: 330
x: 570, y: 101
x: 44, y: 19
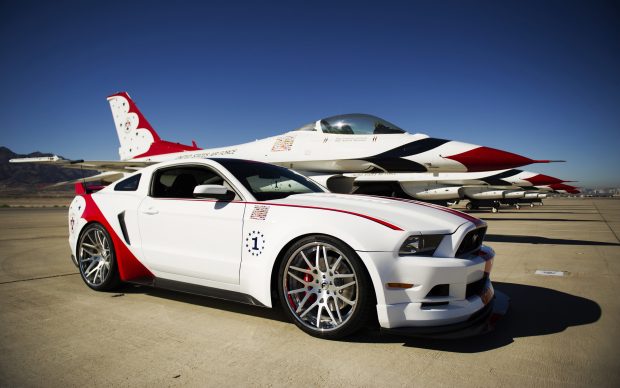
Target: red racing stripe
x: 370, y: 218
x: 476, y: 221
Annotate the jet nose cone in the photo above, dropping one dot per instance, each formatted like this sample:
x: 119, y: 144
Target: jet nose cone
x: 487, y: 159
x: 568, y: 188
x: 542, y: 180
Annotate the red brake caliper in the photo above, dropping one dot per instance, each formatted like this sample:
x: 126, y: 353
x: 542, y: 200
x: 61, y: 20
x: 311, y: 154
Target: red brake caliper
x: 308, y: 279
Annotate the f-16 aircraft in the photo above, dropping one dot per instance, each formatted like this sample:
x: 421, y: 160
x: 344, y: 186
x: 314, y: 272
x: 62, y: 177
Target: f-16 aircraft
x: 351, y: 143
x: 483, y: 189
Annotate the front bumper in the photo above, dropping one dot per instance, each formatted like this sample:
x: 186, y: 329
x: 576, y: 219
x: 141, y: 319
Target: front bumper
x: 479, y: 323
x: 443, y: 291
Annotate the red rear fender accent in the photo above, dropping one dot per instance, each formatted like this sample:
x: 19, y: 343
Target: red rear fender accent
x: 129, y: 266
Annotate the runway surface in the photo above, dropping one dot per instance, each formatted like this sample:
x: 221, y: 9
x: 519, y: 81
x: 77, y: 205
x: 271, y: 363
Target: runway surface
x: 560, y: 330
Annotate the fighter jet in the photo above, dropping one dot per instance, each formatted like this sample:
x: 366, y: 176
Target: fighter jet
x: 350, y: 143
x: 483, y: 189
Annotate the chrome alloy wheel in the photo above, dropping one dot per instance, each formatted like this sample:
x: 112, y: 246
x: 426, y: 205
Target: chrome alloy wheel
x: 95, y: 256
x: 321, y: 286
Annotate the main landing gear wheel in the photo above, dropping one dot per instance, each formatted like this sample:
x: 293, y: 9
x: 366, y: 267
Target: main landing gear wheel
x: 494, y: 209
x: 469, y: 206
x: 96, y: 259
x: 324, y: 287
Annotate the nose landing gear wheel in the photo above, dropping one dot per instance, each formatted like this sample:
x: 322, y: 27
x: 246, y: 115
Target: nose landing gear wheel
x: 324, y: 287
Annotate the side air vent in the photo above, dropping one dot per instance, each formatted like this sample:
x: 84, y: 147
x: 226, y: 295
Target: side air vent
x: 121, y: 221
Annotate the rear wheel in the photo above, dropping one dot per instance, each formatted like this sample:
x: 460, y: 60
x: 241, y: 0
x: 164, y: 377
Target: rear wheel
x: 324, y: 287
x: 96, y: 258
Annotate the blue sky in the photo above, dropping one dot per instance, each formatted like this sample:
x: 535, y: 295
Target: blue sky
x: 539, y: 78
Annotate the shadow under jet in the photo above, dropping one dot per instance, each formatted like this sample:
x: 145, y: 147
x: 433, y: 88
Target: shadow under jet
x: 506, y: 238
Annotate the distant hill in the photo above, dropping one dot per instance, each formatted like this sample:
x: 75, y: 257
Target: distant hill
x: 14, y: 176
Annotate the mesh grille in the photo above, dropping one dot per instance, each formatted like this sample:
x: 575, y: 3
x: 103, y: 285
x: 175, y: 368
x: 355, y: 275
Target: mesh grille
x: 472, y: 241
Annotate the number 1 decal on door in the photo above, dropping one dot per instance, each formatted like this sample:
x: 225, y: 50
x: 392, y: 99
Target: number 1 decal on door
x: 255, y: 243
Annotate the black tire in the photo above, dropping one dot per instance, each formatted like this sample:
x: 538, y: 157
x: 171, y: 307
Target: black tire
x: 97, y: 259
x: 317, y: 298
x: 469, y: 206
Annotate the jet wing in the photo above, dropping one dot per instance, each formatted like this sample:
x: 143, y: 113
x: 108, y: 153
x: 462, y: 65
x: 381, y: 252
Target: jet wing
x: 473, y: 178
x: 121, y: 166
x: 106, y: 177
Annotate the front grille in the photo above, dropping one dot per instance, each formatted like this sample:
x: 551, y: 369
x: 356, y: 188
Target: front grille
x: 472, y: 241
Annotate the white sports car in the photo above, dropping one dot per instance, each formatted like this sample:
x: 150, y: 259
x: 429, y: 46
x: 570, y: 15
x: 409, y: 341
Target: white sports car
x: 257, y: 233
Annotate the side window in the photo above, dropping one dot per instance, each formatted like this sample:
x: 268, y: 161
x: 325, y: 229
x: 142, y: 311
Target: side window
x: 129, y: 184
x: 179, y: 182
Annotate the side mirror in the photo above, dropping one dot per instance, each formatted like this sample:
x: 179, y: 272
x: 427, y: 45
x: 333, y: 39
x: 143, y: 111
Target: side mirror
x: 218, y: 192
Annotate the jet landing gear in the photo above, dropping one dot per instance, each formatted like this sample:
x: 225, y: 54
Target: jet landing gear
x: 477, y: 204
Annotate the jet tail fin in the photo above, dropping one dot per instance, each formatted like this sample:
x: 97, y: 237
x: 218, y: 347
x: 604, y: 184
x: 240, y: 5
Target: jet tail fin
x: 136, y: 135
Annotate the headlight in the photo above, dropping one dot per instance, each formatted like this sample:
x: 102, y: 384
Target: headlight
x: 420, y: 245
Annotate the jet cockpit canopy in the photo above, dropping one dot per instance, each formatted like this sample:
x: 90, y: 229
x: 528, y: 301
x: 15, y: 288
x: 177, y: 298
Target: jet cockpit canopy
x: 353, y: 124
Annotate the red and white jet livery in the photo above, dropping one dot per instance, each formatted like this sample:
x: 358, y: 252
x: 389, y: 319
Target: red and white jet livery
x: 351, y: 143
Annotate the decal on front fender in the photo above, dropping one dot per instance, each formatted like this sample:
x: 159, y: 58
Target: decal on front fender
x: 255, y: 243
x: 259, y: 212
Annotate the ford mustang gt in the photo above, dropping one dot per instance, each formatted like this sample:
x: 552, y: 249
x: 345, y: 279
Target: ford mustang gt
x: 257, y: 233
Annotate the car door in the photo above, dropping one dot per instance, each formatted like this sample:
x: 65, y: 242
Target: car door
x: 184, y: 238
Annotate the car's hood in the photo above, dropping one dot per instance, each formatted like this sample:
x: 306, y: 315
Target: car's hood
x: 407, y: 215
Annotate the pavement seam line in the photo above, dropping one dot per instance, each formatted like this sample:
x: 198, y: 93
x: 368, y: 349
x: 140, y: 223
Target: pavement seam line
x: 39, y: 278
x: 606, y: 223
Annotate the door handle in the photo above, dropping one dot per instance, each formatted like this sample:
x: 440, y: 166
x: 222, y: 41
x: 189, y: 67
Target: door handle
x: 150, y: 211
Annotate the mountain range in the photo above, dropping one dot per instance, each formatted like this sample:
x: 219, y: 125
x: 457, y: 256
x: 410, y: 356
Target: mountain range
x: 31, y: 174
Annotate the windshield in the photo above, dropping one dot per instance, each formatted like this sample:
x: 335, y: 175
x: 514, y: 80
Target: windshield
x: 266, y: 181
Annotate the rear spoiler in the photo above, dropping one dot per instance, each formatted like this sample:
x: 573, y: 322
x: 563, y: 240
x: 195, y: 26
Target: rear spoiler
x: 81, y: 188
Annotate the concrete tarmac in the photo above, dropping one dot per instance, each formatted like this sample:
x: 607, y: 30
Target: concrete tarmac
x: 560, y: 330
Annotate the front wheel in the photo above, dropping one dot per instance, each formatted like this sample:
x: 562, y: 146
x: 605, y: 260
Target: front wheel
x: 96, y: 259
x: 324, y: 287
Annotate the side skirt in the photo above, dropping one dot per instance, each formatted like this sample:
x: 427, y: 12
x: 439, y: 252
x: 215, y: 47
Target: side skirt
x: 211, y: 292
